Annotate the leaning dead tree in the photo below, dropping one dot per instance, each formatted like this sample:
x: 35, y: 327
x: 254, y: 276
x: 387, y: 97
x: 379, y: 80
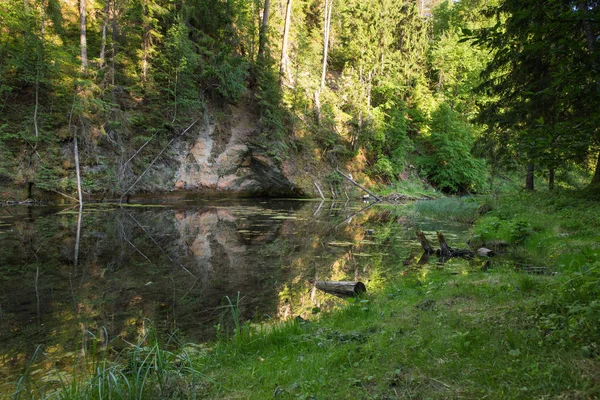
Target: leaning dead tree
x: 445, y: 250
x: 358, y: 185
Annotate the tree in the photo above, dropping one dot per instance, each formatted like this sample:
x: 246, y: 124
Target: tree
x: 326, y: 30
x: 543, y: 78
x: 83, y: 35
x: 264, y: 29
x: 284, y: 67
x: 448, y: 162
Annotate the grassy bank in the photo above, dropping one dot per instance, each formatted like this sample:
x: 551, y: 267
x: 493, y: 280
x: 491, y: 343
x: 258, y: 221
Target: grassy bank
x: 525, y: 326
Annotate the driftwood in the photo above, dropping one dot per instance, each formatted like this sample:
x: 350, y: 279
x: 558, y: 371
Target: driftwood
x: 319, y: 189
x: 424, y: 243
x: 446, y: 251
x: 341, y: 288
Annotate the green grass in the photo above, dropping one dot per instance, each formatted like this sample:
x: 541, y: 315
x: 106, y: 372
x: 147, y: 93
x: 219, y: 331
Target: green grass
x: 461, y: 209
x: 149, y: 368
x: 431, y: 335
x: 558, y: 231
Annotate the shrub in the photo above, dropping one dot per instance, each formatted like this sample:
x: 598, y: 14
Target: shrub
x: 449, y: 163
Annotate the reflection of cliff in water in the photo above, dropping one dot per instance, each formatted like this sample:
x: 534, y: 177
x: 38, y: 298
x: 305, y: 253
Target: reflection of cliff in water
x: 173, y: 266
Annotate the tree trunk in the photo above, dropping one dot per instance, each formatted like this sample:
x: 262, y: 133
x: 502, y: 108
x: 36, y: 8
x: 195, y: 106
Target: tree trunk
x: 424, y: 243
x: 551, y: 179
x: 284, y: 69
x: 262, y: 39
x: 145, y: 42
x: 326, y: 26
x: 596, y: 178
x: 77, y: 170
x: 83, y: 36
x: 358, y: 185
x: 342, y: 288
x: 113, y: 51
x: 530, y: 176
x: 104, y: 29
x: 328, y: 8
x: 40, y: 61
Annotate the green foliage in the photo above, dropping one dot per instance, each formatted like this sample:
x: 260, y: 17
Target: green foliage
x: 448, y: 161
x: 543, y: 92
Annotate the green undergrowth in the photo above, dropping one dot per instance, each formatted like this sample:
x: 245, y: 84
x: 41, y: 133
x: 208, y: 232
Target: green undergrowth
x: 558, y: 231
x: 411, y: 187
x: 432, y: 335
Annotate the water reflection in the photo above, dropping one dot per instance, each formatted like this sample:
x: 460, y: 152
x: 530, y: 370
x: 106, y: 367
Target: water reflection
x: 68, y: 274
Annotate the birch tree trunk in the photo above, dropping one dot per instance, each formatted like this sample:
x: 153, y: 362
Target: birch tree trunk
x: 83, y: 36
x: 326, y: 27
x: 77, y: 170
x: 145, y: 42
x: 328, y: 8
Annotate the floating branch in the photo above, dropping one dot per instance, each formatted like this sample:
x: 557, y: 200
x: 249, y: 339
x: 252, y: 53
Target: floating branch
x: 446, y: 251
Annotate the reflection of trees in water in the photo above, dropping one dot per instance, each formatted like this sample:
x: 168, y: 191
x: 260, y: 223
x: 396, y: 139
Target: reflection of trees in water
x: 173, y: 266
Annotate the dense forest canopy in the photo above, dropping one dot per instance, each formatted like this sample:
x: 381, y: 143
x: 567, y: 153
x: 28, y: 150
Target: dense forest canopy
x: 451, y: 91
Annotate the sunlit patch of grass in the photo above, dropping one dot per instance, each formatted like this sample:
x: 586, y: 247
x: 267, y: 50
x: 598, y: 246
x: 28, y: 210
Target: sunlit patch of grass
x: 413, y: 187
x: 432, y: 336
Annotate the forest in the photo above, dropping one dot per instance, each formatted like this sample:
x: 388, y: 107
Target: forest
x: 455, y: 93
x: 229, y: 152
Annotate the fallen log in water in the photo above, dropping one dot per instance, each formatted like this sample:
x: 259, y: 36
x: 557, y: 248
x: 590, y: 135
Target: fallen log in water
x: 445, y: 250
x: 341, y: 288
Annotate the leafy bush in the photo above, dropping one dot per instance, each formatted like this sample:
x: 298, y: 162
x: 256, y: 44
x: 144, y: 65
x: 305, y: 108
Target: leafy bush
x: 449, y: 163
x: 384, y: 168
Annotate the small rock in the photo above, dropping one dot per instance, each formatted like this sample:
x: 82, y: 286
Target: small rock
x: 484, y: 252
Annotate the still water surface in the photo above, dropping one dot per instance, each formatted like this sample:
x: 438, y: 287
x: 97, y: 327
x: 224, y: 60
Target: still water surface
x: 107, y: 271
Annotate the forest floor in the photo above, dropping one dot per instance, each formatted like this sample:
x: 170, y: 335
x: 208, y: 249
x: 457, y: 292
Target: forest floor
x: 526, y: 325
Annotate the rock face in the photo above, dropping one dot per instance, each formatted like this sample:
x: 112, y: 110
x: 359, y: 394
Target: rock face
x: 220, y: 158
